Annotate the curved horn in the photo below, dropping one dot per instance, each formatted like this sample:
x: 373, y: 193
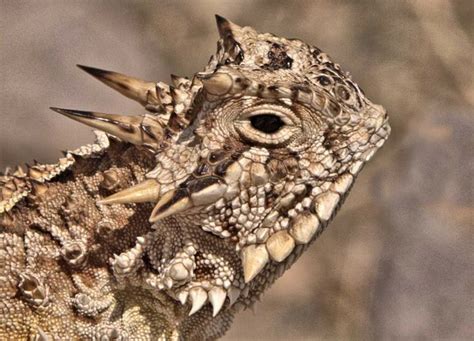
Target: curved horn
x: 225, y: 27
x: 138, y: 130
x: 227, y: 32
x: 141, y: 91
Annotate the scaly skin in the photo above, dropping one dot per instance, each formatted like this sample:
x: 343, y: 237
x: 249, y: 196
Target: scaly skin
x: 174, y: 221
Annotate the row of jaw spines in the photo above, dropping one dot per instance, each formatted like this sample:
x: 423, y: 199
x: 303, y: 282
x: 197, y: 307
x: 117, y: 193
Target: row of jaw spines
x: 277, y: 247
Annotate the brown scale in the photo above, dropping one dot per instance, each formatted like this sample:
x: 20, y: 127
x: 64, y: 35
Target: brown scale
x: 278, y: 57
x: 277, y: 169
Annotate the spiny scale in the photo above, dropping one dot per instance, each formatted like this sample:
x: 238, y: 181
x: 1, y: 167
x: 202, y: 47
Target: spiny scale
x: 170, y: 203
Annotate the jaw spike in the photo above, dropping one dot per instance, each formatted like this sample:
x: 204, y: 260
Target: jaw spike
x: 146, y: 191
x: 141, y: 91
x: 197, y: 193
x: 172, y: 202
x: 254, y: 258
x: 134, y: 129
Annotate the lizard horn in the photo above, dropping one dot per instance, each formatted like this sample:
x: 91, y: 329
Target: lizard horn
x: 146, y: 191
x: 225, y: 27
x: 227, y: 32
x: 137, y: 130
x: 141, y: 91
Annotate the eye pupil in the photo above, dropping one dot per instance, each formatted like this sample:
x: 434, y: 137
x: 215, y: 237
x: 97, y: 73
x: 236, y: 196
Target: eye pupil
x: 267, y: 123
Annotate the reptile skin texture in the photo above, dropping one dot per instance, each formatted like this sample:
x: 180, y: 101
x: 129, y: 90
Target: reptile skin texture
x: 173, y: 221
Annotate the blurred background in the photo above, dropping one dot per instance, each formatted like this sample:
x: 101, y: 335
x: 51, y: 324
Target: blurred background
x: 397, y: 262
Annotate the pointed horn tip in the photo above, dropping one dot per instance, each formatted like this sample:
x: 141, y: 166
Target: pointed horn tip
x: 70, y: 112
x: 223, y: 26
x: 220, y: 19
x: 93, y: 71
x: 58, y: 110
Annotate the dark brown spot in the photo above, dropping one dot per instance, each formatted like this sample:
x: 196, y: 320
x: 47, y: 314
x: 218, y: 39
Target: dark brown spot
x: 334, y: 108
x: 148, y: 131
x: 222, y: 167
x: 327, y: 143
x: 202, y: 169
x: 199, y: 184
x: 277, y: 170
x: 278, y: 57
x: 180, y: 194
x: 315, y: 52
x: 324, y: 80
x: 216, y: 156
x: 291, y: 165
x: 343, y: 93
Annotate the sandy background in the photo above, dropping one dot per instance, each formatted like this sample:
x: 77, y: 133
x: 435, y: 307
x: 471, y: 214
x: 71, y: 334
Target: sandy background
x: 397, y: 261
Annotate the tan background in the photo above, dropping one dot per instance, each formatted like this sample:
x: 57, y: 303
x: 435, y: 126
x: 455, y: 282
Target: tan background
x: 397, y: 261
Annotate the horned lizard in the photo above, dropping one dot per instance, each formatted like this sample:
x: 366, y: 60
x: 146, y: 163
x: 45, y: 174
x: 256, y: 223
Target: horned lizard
x: 174, y: 220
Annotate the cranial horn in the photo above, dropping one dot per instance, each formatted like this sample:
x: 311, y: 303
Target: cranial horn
x: 227, y: 31
x: 146, y: 191
x: 141, y: 91
x: 225, y: 27
x: 134, y: 129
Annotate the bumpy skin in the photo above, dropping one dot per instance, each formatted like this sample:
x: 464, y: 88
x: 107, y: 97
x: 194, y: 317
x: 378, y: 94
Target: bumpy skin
x: 173, y: 221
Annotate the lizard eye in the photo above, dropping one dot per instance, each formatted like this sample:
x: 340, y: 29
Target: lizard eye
x: 267, y: 123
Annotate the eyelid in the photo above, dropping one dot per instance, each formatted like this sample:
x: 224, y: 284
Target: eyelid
x: 280, y: 137
x: 285, y: 114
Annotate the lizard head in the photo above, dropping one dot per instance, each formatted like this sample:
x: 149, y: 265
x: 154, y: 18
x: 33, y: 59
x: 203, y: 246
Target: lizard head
x: 255, y: 153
